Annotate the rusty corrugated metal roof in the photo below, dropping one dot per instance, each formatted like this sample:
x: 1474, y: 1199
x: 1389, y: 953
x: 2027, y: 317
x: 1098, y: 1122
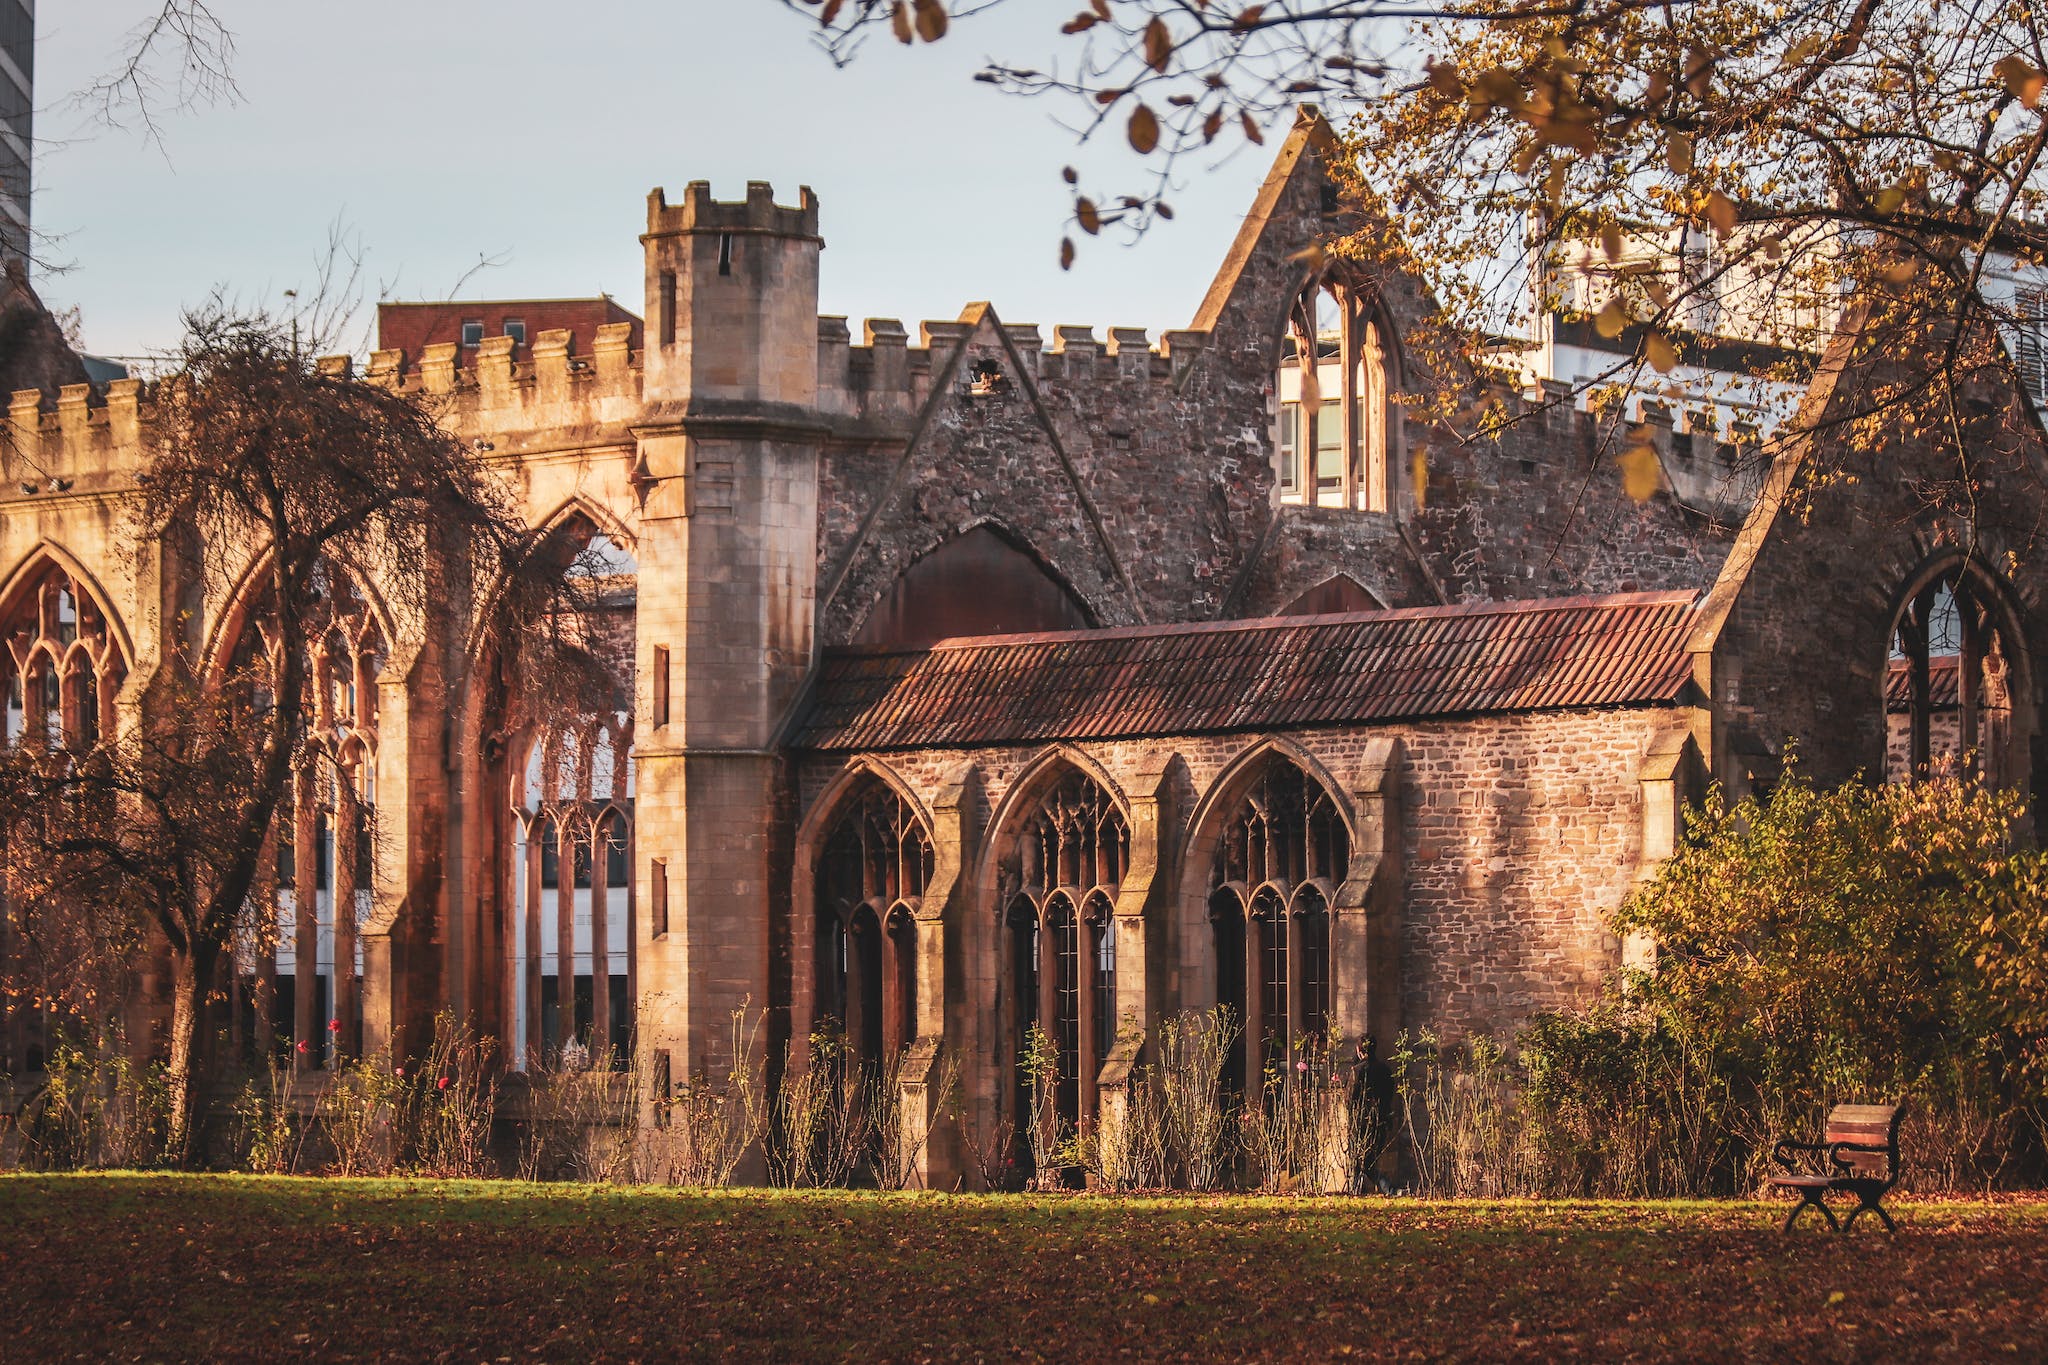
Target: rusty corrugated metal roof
x: 1944, y: 684
x: 1274, y: 673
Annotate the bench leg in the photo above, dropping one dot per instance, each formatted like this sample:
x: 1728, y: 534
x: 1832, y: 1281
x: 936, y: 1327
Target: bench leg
x: 1812, y: 1199
x: 1870, y: 1206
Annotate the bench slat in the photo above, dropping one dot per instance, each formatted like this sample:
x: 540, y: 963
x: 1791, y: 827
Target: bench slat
x: 1862, y: 1113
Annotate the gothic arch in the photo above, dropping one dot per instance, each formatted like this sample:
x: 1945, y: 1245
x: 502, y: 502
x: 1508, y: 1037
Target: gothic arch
x: 63, y: 658
x: 49, y: 554
x: 1336, y: 446
x: 577, y: 505
x: 237, y: 613
x: 1340, y: 592
x: 1039, y: 774
x: 1045, y: 932
x: 816, y: 827
x: 1218, y: 804
x: 866, y: 857
x: 983, y: 579
x: 552, y: 863
x: 1989, y: 670
x: 845, y: 784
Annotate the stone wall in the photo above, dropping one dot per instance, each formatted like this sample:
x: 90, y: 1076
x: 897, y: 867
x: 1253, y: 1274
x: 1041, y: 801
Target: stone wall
x: 1514, y: 837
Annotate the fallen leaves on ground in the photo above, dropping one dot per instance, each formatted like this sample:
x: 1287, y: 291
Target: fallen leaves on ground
x: 245, y: 1268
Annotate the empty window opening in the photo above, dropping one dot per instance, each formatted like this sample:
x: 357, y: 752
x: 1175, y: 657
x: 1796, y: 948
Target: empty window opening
x: 1332, y: 428
x: 1281, y: 856
x: 1060, y: 886
x: 1948, y: 686
x: 871, y: 878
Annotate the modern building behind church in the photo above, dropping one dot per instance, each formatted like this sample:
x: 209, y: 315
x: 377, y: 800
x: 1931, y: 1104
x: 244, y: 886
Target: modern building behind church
x: 984, y: 677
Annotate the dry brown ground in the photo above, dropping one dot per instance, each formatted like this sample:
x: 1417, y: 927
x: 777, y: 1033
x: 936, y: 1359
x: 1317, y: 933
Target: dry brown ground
x: 242, y: 1268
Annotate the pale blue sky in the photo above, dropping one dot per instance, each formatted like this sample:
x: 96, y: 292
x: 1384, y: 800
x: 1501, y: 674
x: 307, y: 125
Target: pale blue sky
x: 441, y: 130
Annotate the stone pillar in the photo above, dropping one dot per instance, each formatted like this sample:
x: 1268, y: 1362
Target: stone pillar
x: 1142, y: 922
x: 348, y: 816
x: 600, y: 929
x: 307, y: 1027
x: 1365, y: 918
x: 1669, y: 767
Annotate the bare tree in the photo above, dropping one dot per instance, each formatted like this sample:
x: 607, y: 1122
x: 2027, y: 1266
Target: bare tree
x: 180, y: 57
x: 159, y: 836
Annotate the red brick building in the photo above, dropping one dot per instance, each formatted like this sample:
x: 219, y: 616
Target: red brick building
x: 412, y: 327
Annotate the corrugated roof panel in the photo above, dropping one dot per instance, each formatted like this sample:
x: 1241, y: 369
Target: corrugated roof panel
x: 1275, y: 673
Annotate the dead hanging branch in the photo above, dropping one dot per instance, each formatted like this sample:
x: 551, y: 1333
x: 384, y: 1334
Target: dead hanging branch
x: 180, y: 58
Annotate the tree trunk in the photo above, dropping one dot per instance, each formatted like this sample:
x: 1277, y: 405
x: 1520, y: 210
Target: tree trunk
x: 186, y: 1074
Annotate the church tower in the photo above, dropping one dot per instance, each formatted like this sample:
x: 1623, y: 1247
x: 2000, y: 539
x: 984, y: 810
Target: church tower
x: 727, y: 471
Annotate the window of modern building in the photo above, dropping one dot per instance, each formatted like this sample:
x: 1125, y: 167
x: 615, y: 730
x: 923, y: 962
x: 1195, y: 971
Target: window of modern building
x: 472, y: 331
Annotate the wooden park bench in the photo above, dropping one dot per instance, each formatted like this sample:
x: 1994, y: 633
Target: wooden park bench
x: 1858, y: 1153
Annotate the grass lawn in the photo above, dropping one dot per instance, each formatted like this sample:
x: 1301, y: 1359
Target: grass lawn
x: 246, y: 1268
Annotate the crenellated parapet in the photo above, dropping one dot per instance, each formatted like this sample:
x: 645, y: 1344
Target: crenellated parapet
x: 555, y: 389
x: 85, y: 438
x: 1702, y: 466
x: 884, y: 375
x: 698, y: 212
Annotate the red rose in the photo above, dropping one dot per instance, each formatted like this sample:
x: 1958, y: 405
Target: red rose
x: 334, y: 1025
x: 302, y: 1044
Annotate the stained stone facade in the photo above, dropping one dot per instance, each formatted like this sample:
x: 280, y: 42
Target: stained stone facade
x: 1414, y: 814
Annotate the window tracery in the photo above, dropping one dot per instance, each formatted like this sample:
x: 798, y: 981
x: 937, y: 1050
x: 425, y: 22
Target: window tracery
x: 1060, y: 935
x: 1948, y: 687
x: 1333, y: 434
x: 565, y: 854
x: 1282, y: 855
x: 572, y: 815
x: 872, y: 873
x: 298, y: 979
x: 61, y: 666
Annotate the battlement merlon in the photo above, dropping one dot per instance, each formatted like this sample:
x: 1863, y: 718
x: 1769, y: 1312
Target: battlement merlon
x: 90, y: 433
x: 757, y: 213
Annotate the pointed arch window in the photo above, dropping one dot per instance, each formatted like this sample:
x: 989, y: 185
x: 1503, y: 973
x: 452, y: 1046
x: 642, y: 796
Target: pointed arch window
x: 572, y: 921
x: 299, y: 964
x: 1949, y: 691
x: 1334, y: 422
x: 561, y: 936
x: 1283, y: 853
x: 60, y: 666
x: 1060, y: 886
x: 871, y: 877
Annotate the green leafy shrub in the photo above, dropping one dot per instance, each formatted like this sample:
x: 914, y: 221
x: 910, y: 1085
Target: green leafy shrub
x: 1822, y: 945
